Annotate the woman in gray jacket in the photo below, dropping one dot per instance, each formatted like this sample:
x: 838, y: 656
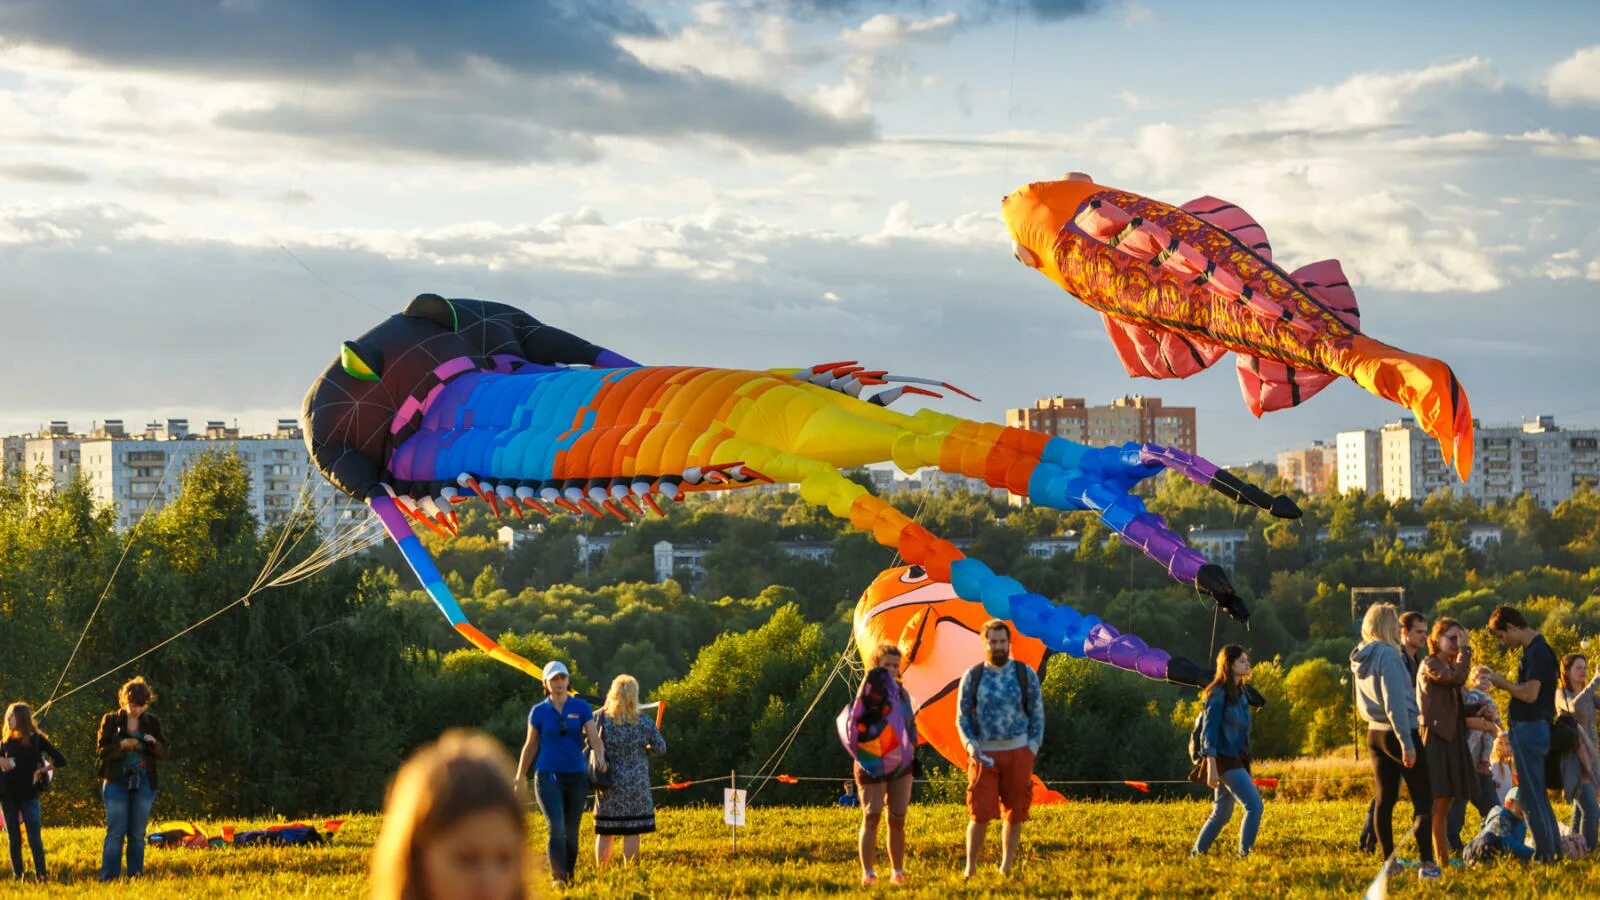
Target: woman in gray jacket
x: 1387, y: 701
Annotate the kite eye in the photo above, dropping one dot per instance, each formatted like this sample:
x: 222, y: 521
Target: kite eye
x: 355, y: 366
x: 1024, y: 255
x: 1078, y: 176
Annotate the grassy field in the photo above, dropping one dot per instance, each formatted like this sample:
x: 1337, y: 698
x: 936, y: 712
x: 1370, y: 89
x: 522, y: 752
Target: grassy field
x: 1109, y: 849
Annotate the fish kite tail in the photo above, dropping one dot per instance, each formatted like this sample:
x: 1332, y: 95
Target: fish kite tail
x: 1422, y: 384
x: 422, y: 565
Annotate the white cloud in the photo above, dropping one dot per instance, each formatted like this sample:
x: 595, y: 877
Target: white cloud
x: 1576, y: 79
x: 888, y: 30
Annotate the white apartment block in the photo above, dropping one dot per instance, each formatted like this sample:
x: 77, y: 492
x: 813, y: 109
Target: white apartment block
x: 1413, y: 466
x: 1360, y: 465
x: 1538, y: 458
x: 136, y: 473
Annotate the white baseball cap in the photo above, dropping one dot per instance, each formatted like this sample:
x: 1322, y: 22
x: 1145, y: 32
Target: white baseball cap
x: 555, y: 667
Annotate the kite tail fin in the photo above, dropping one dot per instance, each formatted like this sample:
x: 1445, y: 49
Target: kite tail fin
x: 422, y: 565
x: 1422, y: 384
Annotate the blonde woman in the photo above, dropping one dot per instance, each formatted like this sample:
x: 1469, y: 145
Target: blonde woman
x: 1386, y: 699
x: 452, y: 826
x: 625, y: 809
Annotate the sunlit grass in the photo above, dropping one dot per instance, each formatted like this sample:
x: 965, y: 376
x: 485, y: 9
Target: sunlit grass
x: 1306, y: 849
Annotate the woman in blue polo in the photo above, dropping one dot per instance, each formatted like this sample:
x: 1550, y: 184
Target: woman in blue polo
x: 557, y: 727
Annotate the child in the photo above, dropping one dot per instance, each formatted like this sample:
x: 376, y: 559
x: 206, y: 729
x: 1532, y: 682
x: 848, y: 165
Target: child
x: 452, y: 825
x: 1505, y: 830
x: 1502, y: 766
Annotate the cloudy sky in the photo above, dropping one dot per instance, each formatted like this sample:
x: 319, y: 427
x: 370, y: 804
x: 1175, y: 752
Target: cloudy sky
x: 200, y: 200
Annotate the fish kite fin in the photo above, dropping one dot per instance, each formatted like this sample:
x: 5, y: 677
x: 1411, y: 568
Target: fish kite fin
x: 1326, y: 282
x: 1230, y: 218
x: 1268, y: 385
x: 1159, y: 354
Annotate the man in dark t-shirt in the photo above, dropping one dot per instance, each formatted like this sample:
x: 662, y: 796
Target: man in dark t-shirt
x: 1533, y: 705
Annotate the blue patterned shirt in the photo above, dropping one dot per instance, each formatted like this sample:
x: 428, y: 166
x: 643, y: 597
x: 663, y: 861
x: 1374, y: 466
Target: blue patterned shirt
x: 1002, y: 723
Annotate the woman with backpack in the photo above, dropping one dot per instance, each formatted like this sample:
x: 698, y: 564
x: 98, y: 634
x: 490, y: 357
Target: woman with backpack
x: 1225, y: 747
x: 27, y: 761
x: 1580, y: 768
x: 880, y: 732
x: 625, y: 809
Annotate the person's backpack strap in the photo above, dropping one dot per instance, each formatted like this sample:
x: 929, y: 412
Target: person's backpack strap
x: 1022, y: 685
x: 969, y: 695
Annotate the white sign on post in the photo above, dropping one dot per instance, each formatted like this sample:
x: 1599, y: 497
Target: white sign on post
x: 733, y: 807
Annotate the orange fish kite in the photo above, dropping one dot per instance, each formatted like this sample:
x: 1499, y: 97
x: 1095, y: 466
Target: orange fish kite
x: 1178, y: 287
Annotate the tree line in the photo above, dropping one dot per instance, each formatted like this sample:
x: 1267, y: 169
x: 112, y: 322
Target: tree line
x: 304, y: 700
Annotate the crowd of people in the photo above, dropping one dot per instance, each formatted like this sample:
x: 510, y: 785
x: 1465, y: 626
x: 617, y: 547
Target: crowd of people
x: 454, y: 816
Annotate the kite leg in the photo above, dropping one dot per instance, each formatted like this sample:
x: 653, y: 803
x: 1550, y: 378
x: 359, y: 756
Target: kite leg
x: 394, y: 522
x: 1063, y: 474
x: 1059, y: 626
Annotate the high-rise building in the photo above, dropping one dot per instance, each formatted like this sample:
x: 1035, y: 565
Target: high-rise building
x: 1360, y: 461
x: 54, y: 450
x: 1129, y: 418
x: 1538, y: 458
x: 1313, y: 470
x: 141, y: 472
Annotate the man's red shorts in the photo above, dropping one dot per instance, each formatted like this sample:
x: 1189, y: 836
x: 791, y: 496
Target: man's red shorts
x: 1008, y: 783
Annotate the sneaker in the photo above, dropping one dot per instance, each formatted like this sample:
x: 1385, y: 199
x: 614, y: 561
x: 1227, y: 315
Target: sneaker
x: 869, y: 879
x: 1456, y: 863
x: 1407, y: 863
x: 1430, y: 872
x: 1393, y: 868
x: 899, y: 878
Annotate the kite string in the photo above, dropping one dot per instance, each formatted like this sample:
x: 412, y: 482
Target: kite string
x: 341, y: 544
x: 127, y: 545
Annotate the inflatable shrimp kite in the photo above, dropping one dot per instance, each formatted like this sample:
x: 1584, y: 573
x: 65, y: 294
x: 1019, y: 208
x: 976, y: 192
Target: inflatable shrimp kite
x: 1179, y: 287
x: 456, y: 399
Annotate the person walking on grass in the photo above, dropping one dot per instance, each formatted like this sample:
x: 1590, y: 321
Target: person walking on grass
x: 1225, y: 730
x: 1387, y: 701
x: 1580, y: 769
x: 27, y: 761
x: 1440, y: 697
x: 879, y: 731
x: 1001, y: 720
x: 1533, y: 705
x: 557, y: 727
x: 130, y: 748
x: 453, y: 828
x: 625, y: 810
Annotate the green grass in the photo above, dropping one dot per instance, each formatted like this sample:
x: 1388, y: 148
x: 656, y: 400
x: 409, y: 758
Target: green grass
x: 1113, y: 849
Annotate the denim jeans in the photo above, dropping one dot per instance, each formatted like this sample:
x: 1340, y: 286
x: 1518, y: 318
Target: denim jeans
x: 1530, y: 744
x: 1236, y: 785
x: 561, y: 796
x: 1586, y: 814
x: 17, y: 815
x: 127, y: 815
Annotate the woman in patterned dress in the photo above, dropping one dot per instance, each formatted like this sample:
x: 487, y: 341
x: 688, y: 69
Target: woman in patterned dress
x: 625, y: 809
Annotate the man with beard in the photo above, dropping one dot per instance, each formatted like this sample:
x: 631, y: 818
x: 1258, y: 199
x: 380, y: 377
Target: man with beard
x: 1001, y: 721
